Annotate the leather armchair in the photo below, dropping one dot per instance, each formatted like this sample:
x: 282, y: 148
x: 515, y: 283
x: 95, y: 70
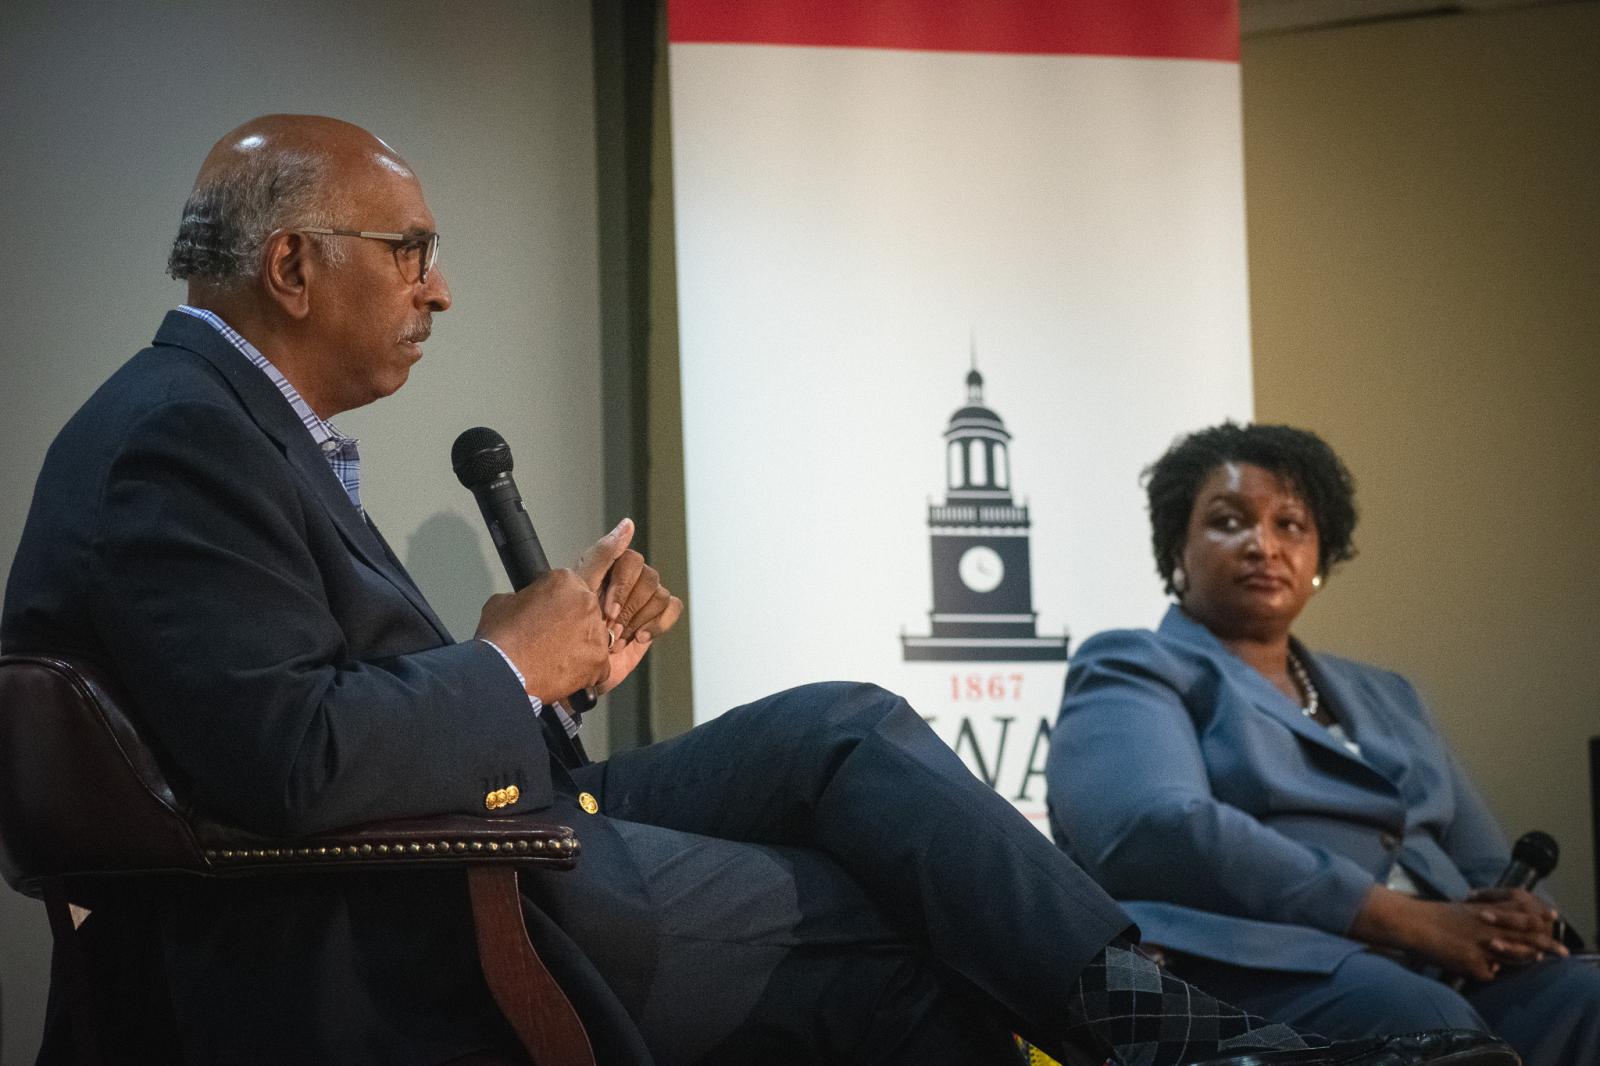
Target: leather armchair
x: 85, y: 804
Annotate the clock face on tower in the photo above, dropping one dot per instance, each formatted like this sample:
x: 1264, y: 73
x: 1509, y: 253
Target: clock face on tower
x: 980, y: 569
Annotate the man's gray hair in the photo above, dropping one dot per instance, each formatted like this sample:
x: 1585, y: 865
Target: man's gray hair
x: 226, y: 221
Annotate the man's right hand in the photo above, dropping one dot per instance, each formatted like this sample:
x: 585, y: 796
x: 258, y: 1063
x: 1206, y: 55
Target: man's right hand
x: 554, y: 633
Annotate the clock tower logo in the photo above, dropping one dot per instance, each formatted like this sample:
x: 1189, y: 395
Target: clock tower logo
x: 982, y: 585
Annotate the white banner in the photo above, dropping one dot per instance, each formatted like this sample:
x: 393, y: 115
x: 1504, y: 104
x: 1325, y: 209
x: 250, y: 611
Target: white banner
x: 938, y: 308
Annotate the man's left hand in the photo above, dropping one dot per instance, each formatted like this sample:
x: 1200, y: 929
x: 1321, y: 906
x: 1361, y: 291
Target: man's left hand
x: 637, y: 608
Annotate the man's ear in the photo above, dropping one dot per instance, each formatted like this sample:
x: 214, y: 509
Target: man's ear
x: 287, y: 263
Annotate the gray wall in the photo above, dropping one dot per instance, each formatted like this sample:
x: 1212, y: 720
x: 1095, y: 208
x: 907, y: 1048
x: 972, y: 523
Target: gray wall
x: 105, y: 112
x: 1423, y: 222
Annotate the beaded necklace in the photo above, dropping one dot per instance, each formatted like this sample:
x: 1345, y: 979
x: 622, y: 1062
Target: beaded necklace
x: 1303, y: 679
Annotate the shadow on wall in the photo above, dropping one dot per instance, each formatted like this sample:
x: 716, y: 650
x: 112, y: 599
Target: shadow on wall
x: 445, y: 556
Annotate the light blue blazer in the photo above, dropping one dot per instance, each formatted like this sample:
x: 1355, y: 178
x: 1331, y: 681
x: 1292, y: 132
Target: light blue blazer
x: 1233, y: 827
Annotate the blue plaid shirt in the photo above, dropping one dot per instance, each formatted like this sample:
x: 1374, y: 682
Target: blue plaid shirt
x: 344, y: 458
x: 338, y: 449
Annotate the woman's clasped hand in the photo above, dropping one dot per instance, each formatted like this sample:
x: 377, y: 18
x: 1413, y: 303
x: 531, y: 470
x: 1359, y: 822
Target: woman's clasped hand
x: 1475, y: 937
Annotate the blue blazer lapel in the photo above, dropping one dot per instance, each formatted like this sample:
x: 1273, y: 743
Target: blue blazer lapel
x: 1364, y: 722
x: 268, y: 408
x: 1261, y: 692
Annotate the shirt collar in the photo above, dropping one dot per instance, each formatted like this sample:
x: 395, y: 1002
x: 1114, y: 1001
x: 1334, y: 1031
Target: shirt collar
x: 340, y: 451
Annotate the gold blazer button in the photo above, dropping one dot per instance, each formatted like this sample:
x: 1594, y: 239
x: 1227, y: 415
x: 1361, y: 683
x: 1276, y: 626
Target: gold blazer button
x: 589, y: 804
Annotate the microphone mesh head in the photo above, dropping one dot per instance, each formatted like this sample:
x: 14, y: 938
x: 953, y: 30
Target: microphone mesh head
x: 1537, y: 851
x: 479, y: 455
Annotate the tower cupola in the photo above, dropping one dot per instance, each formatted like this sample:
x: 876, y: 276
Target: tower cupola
x: 977, y: 459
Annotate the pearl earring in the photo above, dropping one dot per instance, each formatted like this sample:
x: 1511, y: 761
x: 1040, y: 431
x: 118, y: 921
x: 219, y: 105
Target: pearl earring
x: 1180, y: 580
x: 1316, y: 582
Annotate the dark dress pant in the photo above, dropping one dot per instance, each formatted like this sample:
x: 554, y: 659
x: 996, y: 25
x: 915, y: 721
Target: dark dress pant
x: 828, y: 882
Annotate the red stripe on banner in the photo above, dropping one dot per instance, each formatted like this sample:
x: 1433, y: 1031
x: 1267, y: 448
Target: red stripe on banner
x: 1170, y: 29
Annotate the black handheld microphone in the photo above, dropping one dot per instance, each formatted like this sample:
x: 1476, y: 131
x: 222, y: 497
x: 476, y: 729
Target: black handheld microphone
x: 482, y: 462
x: 1533, y: 857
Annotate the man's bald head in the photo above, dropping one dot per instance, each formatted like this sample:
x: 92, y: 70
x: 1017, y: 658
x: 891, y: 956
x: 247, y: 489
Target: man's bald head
x: 273, y: 172
x: 343, y: 313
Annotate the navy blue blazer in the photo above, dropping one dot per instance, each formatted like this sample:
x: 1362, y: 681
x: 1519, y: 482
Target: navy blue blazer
x: 187, y: 535
x: 1233, y: 827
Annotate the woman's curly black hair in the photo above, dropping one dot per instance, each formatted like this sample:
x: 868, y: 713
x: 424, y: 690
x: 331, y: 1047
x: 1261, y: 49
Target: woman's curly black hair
x: 1298, y: 456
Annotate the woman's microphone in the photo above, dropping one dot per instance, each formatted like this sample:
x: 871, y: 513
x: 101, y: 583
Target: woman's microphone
x: 482, y: 462
x: 1533, y: 857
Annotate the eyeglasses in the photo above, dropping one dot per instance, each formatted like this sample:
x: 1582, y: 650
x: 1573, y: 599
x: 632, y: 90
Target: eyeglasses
x: 414, y: 253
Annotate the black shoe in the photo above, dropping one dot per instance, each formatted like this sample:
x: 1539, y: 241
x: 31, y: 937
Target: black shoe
x: 1437, y: 1047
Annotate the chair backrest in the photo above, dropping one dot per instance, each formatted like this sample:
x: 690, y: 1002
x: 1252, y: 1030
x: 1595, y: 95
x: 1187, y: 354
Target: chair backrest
x: 81, y: 791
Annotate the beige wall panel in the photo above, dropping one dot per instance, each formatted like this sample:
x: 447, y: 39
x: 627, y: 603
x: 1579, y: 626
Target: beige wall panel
x: 1424, y: 238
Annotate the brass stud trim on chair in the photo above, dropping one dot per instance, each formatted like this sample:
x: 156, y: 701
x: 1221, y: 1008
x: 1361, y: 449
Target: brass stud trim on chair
x: 559, y: 847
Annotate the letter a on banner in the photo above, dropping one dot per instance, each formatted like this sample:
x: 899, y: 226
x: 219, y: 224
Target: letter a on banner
x: 950, y: 274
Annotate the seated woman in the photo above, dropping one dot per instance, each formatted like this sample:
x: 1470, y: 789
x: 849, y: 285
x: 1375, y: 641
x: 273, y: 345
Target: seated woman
x: 1289, y: 826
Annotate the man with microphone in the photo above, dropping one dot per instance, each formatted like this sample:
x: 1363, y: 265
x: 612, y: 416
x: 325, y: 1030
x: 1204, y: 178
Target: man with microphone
x: 811, y: 878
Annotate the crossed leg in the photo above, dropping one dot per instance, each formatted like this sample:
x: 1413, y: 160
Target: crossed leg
x: 875, y: 823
